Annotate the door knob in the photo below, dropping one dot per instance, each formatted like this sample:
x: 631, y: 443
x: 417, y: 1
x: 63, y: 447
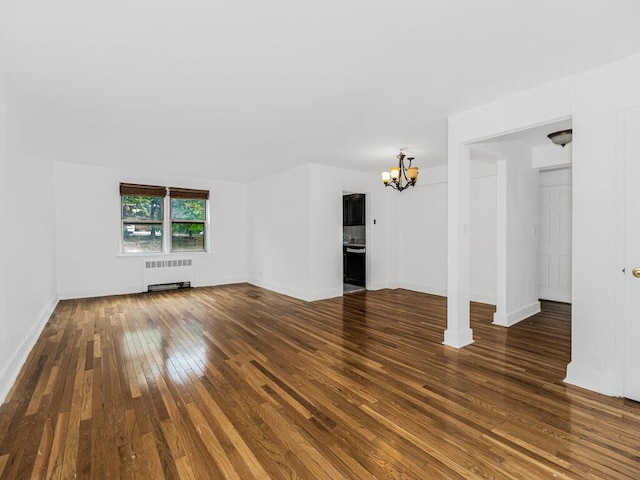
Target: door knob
x: 636, y: 272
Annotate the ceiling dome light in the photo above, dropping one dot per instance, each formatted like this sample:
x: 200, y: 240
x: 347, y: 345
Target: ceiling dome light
x: 562, y: 137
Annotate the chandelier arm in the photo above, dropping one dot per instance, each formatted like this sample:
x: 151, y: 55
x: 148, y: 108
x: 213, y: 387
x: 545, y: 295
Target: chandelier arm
x: 407, y: 180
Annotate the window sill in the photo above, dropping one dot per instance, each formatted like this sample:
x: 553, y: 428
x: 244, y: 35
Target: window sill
x: 161, y: 254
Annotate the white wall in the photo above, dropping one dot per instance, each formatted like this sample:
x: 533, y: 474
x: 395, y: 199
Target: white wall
x: 28, y: 261
x: 325, y: 231
x: 384, y: 205
x: 422, y: 215
x: 552, y: 156
x: 279, y: 232
x: 560, y: 176
x: 296, y: 232
x: 422, y: 239
x: 483, y: 235
x: 88, y: 230
x: 5, y: 347
x: 521, y: 183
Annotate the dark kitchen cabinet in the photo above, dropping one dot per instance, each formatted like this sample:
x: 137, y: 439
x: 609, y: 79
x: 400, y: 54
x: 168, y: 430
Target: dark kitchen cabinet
x: 353, y: 212
x: 354, y: 267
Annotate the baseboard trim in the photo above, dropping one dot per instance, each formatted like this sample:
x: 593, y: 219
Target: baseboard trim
x: 224, y: 281
x: 9, y: 374
x: 481, y: 298
x: 442, y: 292
x: 457, y: 339
x: 592, y: 379
x: 415, y: 287
x: 510, y: 319
x: 377, y: 286
x: 100, y: 292
x: 295, y: 293
x: 133, y: 289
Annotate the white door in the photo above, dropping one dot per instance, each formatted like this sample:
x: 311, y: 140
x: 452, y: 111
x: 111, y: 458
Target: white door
x: 554, y: 243
x: 631, y: 386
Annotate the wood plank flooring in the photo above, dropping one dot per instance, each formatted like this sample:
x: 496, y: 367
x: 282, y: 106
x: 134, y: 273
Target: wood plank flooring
x: 236, y: 382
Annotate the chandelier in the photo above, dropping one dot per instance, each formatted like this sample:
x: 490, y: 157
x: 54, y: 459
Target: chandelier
x: 403, y: 176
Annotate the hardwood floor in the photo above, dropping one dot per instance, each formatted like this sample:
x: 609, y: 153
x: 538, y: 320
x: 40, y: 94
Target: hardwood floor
x: 238, y: 382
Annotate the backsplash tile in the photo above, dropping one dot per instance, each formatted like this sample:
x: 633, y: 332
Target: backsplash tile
x: 356, y: 233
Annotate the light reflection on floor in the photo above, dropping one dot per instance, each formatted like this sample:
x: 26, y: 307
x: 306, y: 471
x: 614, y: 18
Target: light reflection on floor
x: 348, y: 288
x: 171, y: 359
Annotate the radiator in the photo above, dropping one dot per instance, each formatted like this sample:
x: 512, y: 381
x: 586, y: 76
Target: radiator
x: 161, y: 272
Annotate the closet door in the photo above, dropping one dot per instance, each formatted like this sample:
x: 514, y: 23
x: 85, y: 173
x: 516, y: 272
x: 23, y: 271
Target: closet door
x: 631, y: 307
x: 554, y: 243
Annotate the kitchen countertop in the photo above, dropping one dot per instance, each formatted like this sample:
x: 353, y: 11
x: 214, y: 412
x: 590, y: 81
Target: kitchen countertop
x: 361, y: 245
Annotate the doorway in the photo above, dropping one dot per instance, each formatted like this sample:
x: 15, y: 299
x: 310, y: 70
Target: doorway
x: 554, y: 235
x: 354, y: 242
x: 534, y: 220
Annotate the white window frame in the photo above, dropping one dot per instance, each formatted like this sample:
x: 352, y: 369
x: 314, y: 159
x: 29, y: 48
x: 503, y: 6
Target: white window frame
x: 167, y: 242
x: 166, y: 231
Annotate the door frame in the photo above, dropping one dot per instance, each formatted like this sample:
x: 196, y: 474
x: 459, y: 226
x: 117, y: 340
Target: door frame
x: 561, y: 183
x: 622, y: 313
x: 367, y: 233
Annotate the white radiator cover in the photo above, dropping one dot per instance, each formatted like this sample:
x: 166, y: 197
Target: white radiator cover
x: 161, y: 271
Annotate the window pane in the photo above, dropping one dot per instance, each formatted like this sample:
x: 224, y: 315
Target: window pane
x: 141, y: 237
x: 187, y: 209
x: 187, y: 237
x: 135, y: 207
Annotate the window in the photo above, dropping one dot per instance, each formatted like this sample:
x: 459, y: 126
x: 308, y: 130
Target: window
x: 143, y: 221
x: 188, y: 219
x: 142, y: 218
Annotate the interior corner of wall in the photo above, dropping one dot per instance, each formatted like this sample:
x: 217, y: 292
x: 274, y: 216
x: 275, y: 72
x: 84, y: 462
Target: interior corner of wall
x: 585, y: 376
x: 11, y: 369
x: 508, y: 319
x: 480, y: 298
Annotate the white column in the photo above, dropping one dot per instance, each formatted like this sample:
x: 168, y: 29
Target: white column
x: 517, y: 255
x: 500, y: 316
x: 458, y: 333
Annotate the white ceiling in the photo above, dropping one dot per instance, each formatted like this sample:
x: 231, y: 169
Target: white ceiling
x: 214, y: 88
